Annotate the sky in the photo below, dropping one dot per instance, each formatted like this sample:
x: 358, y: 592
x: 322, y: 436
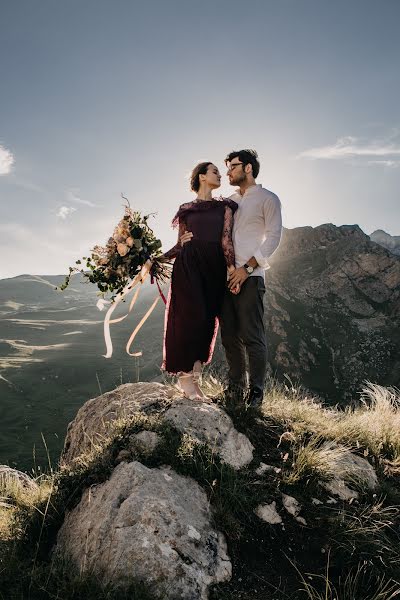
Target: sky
x: 99, y: 98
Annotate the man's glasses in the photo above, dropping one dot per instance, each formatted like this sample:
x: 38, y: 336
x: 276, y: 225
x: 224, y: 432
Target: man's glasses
x: 233, y: 165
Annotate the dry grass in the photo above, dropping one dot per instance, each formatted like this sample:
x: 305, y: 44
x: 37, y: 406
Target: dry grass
x: 325, y: 459
x: 374, y: 425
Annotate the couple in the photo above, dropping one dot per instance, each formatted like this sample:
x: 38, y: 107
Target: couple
x: 218, y: 277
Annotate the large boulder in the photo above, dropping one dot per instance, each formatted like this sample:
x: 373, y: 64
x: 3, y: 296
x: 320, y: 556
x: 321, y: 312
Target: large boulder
x: 203, y: 421
x: 149, y: 524
x: 96, y: 415
x: 209, y: 424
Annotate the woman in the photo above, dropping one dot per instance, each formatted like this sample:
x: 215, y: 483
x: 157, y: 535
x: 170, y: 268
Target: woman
x: 198, y: 280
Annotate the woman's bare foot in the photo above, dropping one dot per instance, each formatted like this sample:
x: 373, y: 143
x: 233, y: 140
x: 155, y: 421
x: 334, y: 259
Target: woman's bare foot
x: 187, y: 385
x: 197, y: 368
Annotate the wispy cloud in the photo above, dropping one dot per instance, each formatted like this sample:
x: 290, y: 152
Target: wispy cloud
x: 74, y: 196
x: 351, y: 147
x: 6, y: 160
x: 65, y: 211
x: 391, y: 164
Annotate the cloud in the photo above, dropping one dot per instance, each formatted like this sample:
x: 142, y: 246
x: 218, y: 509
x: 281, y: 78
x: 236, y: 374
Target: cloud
x: 65, y: 211
x: 385, y: 163
x: 73, y: 196
x: 6, y: 160
x: 350, y: 147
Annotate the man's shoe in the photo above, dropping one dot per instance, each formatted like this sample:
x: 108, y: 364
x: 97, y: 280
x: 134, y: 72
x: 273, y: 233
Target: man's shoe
x: 255, y: 398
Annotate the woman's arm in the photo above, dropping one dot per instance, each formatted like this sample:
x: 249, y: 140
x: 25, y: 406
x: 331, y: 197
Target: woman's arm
x: 174, y: 251
x: 226, y: 242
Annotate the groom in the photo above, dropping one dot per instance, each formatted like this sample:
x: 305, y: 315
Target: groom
x: 256, y: 235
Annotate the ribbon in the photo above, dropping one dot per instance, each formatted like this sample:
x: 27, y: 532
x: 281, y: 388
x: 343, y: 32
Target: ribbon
x: 140, y: 278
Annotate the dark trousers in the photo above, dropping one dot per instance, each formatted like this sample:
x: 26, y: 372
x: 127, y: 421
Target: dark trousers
x: 243, y: 332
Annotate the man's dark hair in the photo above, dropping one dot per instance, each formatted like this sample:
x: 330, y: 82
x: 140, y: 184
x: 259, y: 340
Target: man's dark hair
x: 246, y: 157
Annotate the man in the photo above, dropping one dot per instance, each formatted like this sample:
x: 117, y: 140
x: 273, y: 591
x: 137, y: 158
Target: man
x: 256, y: 235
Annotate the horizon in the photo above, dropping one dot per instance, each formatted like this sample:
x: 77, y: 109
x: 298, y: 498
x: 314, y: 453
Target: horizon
x: 102, y: 99
x: 288, y: 228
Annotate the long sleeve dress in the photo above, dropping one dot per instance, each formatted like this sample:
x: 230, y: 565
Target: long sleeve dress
x: 198, y: 282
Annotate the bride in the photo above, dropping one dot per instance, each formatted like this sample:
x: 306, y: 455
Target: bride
x: 198, y: 281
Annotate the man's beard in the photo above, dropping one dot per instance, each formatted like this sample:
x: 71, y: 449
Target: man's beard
x: 238, y: 179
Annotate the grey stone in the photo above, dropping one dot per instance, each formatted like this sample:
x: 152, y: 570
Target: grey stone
x: 94, y: 418
x: 268, y: 513
x: 150, y: 524
x: 209, y: 424
x: 146, y: 441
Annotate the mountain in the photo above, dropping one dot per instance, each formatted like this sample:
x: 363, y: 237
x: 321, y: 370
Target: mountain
x: 333, y: 308
x: 332, y: 318
x: 391, y: 242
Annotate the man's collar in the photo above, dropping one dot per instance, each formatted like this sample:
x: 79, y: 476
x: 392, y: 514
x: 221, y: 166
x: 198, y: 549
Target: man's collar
x: 251, y: 187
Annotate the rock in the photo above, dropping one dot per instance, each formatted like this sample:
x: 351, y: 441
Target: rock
x: 291, y: 504
x: 146, y: 441
x: 338, y: 487
x: 95, y: 416
x: 13, y: 476
x: 150, y: 524
x: 209, y: 424
x: 390, y: 242
x: 263, y: 468
x: 351, y: 467
x: 293, y: 507
x: 316, y: 502
x: 268, y: 513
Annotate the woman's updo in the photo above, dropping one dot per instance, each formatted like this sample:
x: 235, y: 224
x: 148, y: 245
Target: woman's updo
x: 200, y: 169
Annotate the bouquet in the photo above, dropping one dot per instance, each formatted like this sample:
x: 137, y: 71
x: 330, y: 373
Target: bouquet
x: 123, y: 263
x: 131, y: 246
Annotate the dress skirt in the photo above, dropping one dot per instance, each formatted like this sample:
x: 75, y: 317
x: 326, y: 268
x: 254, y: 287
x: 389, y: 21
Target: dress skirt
x: 195, y: 300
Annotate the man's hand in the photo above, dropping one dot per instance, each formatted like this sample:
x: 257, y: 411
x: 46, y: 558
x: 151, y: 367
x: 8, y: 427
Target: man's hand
x: 237, y: 277
x: 186, y: 237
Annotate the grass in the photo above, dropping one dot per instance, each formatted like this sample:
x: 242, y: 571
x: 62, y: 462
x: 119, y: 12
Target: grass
x: 355, y: 584
x: 304, y: 442
x: 373, y: 425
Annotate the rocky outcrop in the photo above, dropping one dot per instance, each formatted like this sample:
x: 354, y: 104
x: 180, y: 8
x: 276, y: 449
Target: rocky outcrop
x: 152, y: 525
x: 206, y: 423
x: 390, y: 242
x: 94, y: 418
x: 332, y: 310
x: 9, y: 476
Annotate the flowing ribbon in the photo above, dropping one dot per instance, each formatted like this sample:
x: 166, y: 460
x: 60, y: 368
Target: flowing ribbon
x: 139, y: 279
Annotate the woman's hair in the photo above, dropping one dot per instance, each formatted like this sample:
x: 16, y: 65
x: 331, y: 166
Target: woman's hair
x: 200, y: 169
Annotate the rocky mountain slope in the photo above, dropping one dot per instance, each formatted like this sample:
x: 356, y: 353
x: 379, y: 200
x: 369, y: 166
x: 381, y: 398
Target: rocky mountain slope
x: 333, y: 310
x: 390, y: 242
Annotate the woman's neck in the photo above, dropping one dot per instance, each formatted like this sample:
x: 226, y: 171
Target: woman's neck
x: 204, y: 194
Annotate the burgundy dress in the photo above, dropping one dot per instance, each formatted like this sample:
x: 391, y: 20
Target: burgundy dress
x: 198, y: 282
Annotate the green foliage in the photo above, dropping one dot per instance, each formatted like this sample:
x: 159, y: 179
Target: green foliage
x: 132, y: 244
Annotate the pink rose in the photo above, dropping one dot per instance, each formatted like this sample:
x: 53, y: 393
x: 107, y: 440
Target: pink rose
x: 122, y: 249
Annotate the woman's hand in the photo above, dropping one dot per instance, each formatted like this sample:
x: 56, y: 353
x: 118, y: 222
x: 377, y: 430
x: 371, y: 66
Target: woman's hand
x: 236, y: 289
x: 186, y: 237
